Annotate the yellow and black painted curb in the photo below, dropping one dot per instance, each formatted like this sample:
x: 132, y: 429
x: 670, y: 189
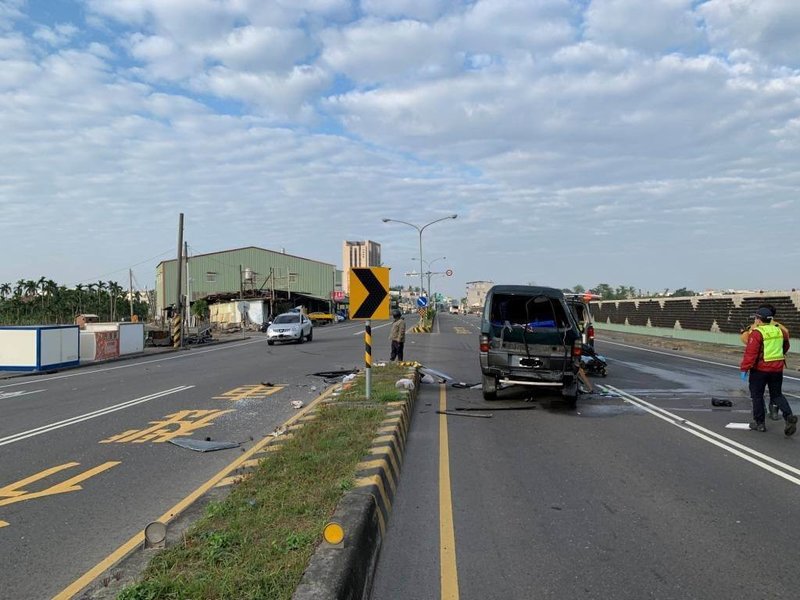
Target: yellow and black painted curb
x: 345, y: 571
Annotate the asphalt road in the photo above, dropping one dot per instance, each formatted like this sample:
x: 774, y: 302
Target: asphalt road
x: 641, y: 492
x: 86, y: 459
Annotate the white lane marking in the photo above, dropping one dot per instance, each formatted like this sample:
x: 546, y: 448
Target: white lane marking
x: 84, y: 372
x: 740, y: 450
x: 708, y: 362
x: 737, y: 426
x: 4, y: 395
x: 92, y: 415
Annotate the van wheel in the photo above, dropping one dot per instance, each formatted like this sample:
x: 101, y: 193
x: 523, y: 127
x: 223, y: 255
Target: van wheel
x: 270, y: 343
x: 302, y: 338
x: 489, y: 384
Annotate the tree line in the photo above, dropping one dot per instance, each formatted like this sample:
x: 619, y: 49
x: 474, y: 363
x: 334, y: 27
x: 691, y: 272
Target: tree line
x: 44, y: 302
x: 623, y: 292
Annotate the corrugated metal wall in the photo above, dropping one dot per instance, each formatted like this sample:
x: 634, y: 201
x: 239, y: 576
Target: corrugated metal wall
x: 218, y: 272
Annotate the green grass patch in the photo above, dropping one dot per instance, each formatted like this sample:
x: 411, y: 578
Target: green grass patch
x: 257, y: 542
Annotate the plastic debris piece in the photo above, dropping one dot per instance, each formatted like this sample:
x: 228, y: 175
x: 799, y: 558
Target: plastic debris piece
x: 267, y: 384
x: 349, y: 377
x: 334, y: 374
x: 721, y: 402
x: 435, y: 373
x: 462, y: 414
x: 404, y: 384
x: 203, y: 445
x: 297, y: 404
x: 461, y: 384
x: 278, y: 431
x: 426, y: 378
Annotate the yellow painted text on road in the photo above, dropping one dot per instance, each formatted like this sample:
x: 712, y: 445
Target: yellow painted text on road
x: 250, y: 392
x: 461, y: 330
x: 17, y: 492
x: 175, y: 425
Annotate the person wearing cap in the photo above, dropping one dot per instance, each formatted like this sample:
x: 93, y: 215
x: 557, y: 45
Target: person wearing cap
x: 397, y: 335
x: 745, y: 335
x: 764, y: 359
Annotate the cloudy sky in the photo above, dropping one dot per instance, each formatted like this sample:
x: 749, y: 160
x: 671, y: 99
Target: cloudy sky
x: 651, y: 143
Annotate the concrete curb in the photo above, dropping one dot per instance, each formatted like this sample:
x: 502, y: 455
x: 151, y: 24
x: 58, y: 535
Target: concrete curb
x: 345, y: 573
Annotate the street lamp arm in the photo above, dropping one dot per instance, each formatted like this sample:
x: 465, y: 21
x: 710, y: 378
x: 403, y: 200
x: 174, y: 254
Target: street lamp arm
x: 436, y: 221
x: 404, y: 223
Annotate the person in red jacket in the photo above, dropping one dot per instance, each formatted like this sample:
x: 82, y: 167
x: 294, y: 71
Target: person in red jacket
x: 764, y: 359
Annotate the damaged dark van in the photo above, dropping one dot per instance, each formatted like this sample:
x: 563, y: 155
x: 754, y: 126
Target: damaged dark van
x: 529, y: 337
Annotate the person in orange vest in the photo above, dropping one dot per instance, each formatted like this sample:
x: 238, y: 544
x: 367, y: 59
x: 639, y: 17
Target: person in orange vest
x: 764, y: 358
x: 745, y: 335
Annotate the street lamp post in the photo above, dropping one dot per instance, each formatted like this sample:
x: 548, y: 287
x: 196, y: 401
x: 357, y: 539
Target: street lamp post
x: 420, y: 229
x: 429, y: 271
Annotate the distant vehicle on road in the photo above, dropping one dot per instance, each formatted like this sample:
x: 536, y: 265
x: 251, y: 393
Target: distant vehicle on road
x: 290, y: 327
x: 529, y: 337
x: 322, y: 317
x: 454, y: 309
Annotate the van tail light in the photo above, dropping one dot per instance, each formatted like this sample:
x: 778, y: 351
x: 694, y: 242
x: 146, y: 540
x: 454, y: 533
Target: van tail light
x: 590, y: 333
x: 577, y: 349
x: 485, y: 343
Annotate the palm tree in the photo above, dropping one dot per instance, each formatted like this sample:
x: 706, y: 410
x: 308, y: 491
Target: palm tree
x: 100, y: 285
x: 5, y: 290
x: 114, y: 290
x: 41, y: 287
x: 79, y: 288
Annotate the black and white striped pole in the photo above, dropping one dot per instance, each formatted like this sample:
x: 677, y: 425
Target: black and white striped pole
x: 368, y: 357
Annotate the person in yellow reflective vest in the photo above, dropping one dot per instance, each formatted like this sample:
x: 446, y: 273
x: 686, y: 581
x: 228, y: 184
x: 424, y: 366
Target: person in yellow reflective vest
x: 745, y: 335
x: 764, y: 360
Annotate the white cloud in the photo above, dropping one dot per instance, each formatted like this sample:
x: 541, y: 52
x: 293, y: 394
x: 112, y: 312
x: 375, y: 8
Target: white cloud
x: 421, y: 10
x: 768, y: 27
x: 528, y: 117
x: 620, y: 23
x: 259, y: 49
x: 57, y: 36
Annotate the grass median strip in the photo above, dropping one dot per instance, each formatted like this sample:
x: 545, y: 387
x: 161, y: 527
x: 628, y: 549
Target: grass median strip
x: 257, y: 542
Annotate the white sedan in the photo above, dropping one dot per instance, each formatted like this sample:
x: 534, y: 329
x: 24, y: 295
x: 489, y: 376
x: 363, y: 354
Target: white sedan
x: 290, y: 327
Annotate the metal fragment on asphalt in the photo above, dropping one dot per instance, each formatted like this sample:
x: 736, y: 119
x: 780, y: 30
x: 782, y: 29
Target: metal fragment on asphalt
x: 203, y: 445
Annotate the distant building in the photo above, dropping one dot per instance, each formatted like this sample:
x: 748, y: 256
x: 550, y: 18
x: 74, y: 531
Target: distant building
x: 358, y: 254
x: 250, y: 273
x: 476, y: 294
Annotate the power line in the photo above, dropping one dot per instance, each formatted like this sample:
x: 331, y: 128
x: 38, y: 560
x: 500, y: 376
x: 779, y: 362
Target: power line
x: 100, y: 277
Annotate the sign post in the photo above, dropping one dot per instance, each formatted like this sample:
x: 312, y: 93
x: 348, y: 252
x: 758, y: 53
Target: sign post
x: 369, y: 299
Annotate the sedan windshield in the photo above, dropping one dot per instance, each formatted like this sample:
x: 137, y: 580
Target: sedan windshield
x: 287, y: 319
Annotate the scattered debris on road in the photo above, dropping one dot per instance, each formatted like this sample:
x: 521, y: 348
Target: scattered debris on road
x: 404, y: 384
x: 721, y: 402
x: 203, y: 445
x: 297, y: 404
x: 496, y: 408
x: 461, y: 414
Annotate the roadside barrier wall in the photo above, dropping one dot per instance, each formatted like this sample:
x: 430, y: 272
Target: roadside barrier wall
x: 103, y: 341
x: 717, y: 319
x: 39, y: 347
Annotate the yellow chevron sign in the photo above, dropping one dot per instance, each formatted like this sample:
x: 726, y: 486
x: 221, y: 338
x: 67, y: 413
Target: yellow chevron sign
x: 369, y: 293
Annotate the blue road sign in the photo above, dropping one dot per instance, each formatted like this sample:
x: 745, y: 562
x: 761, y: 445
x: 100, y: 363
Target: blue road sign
x: 422, y: 301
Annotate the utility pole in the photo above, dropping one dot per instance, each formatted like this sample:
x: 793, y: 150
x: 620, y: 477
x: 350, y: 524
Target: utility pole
x: 177, y: 324
x: 188, y: 286
x: 241, y: 299
x: 272, y: 292
x: 130, y: 290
